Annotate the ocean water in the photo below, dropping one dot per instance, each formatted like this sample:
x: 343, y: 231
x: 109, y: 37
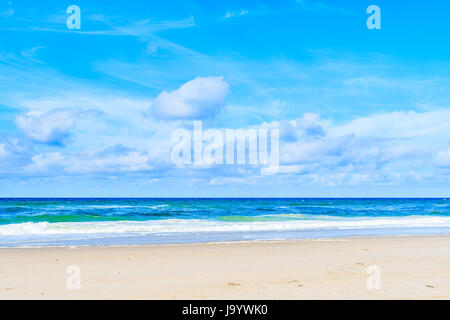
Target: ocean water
x: 66, y: 222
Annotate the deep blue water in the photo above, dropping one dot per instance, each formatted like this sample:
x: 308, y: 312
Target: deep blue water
x: 28, y: 222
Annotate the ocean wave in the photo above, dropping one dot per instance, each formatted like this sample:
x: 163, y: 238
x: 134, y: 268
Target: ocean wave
x: 204, y: 225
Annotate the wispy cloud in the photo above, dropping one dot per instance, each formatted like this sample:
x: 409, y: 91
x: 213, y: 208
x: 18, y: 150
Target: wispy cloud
x: 9, y: 11
x: 232, y: 14
x: 31, y: 52
x: 139, y: 28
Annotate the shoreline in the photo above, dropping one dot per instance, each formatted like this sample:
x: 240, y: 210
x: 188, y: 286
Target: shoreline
x: 337, y: 239
x: 411, y: 267
x: 61, y: 240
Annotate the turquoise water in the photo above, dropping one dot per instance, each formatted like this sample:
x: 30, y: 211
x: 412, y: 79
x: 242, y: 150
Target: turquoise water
x: 30, y: 222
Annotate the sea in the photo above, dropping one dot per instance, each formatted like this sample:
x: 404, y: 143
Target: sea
x: 30, y: 222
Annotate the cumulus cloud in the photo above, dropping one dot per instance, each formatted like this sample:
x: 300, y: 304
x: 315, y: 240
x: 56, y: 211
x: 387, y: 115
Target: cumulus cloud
x: 443, y: 158
x: 14, y: 154
x: 52, y: 127
x: 385, y: 147
x: 3, y: 152
x: 199, y: 98
x: 310, y: 126
x: 115, y: 159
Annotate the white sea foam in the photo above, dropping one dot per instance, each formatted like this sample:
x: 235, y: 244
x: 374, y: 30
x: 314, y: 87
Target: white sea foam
x: 199, y: 225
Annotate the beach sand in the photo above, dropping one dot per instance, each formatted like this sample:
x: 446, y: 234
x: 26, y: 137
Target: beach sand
x: 413, y: 267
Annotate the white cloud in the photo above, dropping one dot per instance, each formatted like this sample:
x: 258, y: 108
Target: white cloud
x: 52, y: 127
x: 196, y: 99
x: 443, y: 158
x: 114, y: 159
x: 14, y: 154
x: 231, y: 14
x: 141, y: 28
x: 345, y: 153
x: 383, y: 148
x: 310, y: 126
x: 3, y: 152
x: 399, y: 124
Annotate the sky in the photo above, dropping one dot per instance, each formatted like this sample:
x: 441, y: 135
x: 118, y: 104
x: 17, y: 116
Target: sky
x: 90, y: 112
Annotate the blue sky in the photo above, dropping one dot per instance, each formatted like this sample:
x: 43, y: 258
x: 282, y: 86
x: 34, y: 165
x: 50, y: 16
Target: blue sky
x: 90, y: 112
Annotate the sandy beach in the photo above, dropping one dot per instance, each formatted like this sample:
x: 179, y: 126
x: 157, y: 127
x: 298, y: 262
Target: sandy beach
x: 410, y: 268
